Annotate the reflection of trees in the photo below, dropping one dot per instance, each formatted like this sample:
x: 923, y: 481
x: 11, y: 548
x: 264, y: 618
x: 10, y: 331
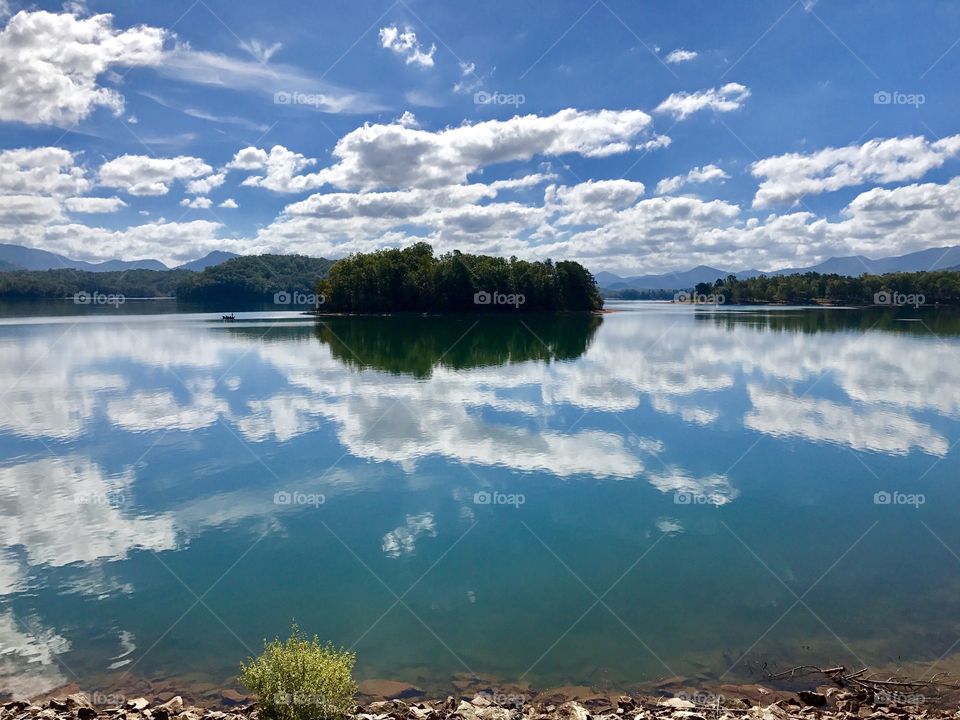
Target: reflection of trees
x: 914, y: 321
x: 416, y: 344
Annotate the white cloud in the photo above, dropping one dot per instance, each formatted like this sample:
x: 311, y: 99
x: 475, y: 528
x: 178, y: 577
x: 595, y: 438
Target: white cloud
x: 261, y: 51
x: 229, y: 203
x: 144, y: 175
x: 787, y: 178
x: 224, y: 71
x: 94, y: 204
x: 725, y: 99
x: 680, y: 55
x: 41, y: 171
x: 249, y: 158
x: 394, y: 156
x: 197, y: 203
x: 704, y: 174
x: 50, y: 64
x: 406, y: 45
x: 205, y: 185
x: 29, y: 210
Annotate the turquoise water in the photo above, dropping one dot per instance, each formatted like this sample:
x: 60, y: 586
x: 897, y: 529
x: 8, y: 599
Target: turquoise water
x: 578, y: 500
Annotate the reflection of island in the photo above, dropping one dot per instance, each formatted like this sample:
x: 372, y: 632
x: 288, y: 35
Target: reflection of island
x: 417, y: 344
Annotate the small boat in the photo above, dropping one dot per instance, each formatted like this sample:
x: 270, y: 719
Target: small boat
x: 231, y: 316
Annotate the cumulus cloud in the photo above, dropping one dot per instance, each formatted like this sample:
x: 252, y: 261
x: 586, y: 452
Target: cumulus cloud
x: 204, y: 185
x: 680, y: 55
x: 197, y: 203
x: 405, y: 44
x: 28, y: 210
x: 725, y: 99
x: 50, y: 64
x: 41, y: 171
x: 401, y: 155
x: 229, y: 204
x: 144, y: 175
x: 94, y: 204
x: 704, y: 174
x: 787, y: 178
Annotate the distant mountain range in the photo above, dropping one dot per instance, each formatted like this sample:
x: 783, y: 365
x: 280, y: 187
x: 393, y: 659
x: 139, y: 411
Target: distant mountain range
x: 945, y: 258
x: 17, y: 257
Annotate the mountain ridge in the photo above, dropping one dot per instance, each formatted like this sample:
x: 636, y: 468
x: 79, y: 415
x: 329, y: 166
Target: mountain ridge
x: 942, y: 258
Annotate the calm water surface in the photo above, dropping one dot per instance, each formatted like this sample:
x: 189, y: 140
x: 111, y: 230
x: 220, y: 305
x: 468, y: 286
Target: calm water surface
x: 576, y: 500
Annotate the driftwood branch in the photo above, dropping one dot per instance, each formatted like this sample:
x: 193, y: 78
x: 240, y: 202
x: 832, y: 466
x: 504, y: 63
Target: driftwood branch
x: 868, y: 681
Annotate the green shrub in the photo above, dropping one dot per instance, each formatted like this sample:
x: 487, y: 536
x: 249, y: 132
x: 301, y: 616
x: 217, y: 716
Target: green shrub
x: 301, y: 679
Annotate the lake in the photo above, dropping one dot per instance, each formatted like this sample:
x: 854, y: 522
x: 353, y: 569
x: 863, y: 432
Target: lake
x: 570, y: 500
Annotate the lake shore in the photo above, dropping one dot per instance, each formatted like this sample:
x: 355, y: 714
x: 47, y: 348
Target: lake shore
x: 751, y: 702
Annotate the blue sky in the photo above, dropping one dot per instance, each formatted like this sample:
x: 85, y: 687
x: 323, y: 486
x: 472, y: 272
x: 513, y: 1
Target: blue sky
x: 635, y: 137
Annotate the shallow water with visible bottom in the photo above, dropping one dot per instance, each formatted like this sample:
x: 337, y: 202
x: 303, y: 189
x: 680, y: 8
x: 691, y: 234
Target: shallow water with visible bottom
x: 568, y: 500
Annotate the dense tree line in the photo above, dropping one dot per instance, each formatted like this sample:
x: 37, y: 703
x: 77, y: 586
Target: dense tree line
x: 942, y: 286
x: 636, y: 294
x: 413, y: 279
x: 254, y: 278
x: 33, y: 284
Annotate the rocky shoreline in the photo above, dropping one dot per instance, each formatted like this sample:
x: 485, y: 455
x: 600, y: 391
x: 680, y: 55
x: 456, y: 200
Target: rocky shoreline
x: 753, y: 703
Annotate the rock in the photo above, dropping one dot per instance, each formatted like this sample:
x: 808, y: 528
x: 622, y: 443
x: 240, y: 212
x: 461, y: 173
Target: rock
x: 86, y: 713
x: 138, y: 704
x: 678, y: 704
x: 233, y: 697
x: 173, y: 706
x: 812, y: 698
x: 572, y: 711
